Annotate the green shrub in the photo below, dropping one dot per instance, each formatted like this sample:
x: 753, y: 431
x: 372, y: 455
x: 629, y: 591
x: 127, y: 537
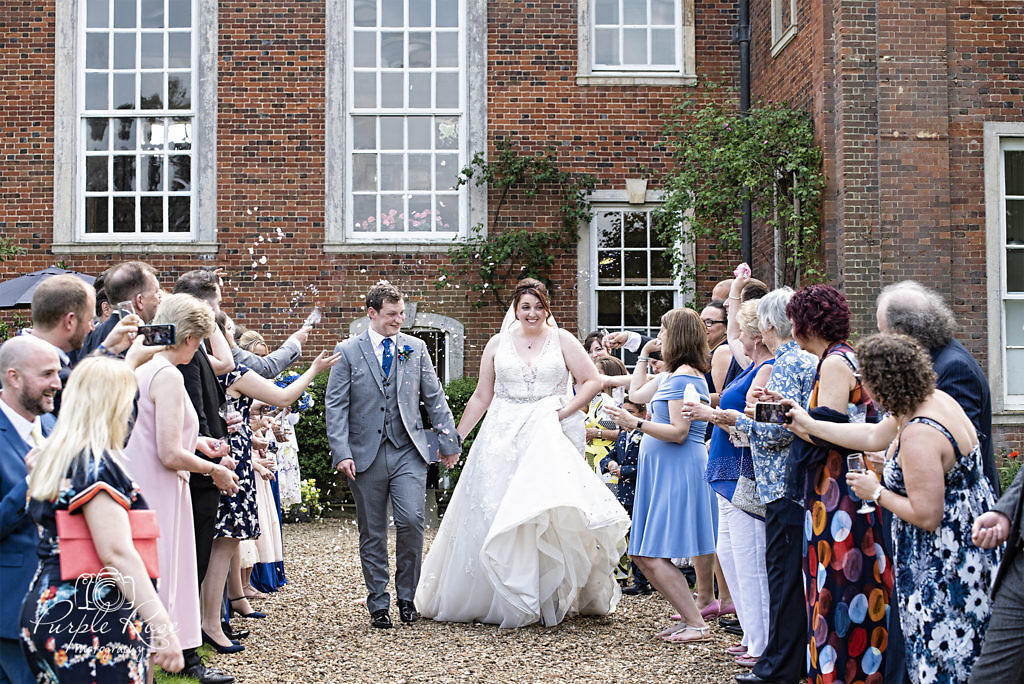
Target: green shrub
x: 458, y: 392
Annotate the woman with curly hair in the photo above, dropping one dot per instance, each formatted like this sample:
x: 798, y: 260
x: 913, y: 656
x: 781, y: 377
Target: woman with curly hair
x: 935, y: 487
x: 847, y: 576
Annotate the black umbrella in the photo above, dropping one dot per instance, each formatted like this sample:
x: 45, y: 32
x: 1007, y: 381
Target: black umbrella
x: 18, y: 291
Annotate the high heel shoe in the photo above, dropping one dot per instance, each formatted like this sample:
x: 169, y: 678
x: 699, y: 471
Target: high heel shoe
x: 235, y: 647
x: 252, y: 614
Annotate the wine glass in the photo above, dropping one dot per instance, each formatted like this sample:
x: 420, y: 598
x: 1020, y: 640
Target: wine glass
x: 855, y: 463
x: 228, y: 411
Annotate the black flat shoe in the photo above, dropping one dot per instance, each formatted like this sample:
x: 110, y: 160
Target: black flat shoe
x: 232, y: 633
x: 638, y: 590
x: 728, y: 622
x: 380, y: 619
x: 235, y: 647
x: 407, y: 612
x: 251, y: 614
x: 735, y: 631
x: 751, y: 678
x: 207, y: 675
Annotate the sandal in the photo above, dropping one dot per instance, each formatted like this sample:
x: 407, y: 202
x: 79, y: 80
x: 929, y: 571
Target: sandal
x: 670, y: 630
x: 713, y: 609
x: 736, y: 649
x: 746, y: 660
x: 703, y: 634
x: 677, y: 616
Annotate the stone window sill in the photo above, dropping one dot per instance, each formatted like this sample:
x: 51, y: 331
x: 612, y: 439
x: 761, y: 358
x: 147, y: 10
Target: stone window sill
x: 784, y: 40
x: 389, y: 247
x: 128, y: 247
x: 614, y: 78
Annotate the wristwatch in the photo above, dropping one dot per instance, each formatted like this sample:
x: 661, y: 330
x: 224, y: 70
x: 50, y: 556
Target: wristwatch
x: 639, y: 425
x: 878, y: 492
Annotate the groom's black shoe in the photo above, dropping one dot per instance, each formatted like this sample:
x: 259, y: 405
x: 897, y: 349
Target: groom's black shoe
x: 638, y: 590
x: 407, y: 611
x: 380, y: 619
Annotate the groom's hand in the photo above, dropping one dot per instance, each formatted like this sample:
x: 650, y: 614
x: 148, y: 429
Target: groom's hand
x: 347, y: 466
x: 450, y: 460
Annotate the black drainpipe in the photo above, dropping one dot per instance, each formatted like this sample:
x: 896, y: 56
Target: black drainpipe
x: 741, y: 36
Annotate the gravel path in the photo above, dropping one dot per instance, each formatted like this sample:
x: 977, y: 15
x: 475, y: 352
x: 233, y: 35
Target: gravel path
x: 317, y: 630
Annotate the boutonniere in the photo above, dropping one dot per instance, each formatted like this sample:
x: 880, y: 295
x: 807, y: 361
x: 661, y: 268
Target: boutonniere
x: 637, y: 436
x: 404, y: 353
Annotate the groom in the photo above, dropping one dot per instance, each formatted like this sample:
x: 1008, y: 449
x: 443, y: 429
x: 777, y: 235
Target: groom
x: 379, y: 441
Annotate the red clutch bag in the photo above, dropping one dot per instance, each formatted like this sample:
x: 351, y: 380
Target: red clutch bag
x: 78, y: 554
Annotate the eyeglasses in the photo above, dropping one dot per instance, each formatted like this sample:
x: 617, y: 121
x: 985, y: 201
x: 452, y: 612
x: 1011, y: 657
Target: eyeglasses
x: 711, y: 321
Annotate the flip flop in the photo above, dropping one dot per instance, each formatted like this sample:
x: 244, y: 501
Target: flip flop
x: 703, y: 634
x: 670, y: 630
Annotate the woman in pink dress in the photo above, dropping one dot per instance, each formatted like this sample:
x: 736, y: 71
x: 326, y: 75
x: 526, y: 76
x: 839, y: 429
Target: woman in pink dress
x: 162, y: 454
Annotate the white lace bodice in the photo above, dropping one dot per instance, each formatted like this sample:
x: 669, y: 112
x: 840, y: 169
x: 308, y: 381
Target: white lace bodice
x: 521, y: 382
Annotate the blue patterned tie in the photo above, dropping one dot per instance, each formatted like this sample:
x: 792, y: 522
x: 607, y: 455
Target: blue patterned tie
x: 387, y: 358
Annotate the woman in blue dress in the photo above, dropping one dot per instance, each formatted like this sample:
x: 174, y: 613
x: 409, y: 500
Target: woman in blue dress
x: 673, y: 509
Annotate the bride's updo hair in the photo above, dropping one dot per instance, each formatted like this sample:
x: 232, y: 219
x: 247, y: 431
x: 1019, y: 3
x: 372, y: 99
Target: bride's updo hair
x: 686, y: 341
x: 531, y: 286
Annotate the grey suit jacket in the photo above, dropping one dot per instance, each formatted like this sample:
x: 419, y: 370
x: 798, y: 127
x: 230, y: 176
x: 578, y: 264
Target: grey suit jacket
x: 271, y: 365
x: 1011, y: 504
x: 355, y: 396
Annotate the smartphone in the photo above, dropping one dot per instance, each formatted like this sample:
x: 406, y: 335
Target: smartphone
x: 157, y: 335
x: 770, y: 412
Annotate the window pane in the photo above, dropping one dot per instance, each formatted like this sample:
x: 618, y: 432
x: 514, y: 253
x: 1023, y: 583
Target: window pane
x: 419, y: 132
x: 446, y: 170
x: 1014, y: 324
x: 124, y: 134
x: 179, y: 214
x: 124, y: 17
x: 364, y: 133
x: 447, y: 91
x: 1014, y: 222
x: 634, y: 11
x: 96, y: 215
x: 608, y: 229
x: 151, y: 214
x: 635, y: 267
x: 179, y: 13
x: 364, y: 212
x: 152, y: 13
x: 392, y: 91
x: 663, y: 13
x: 152, y: 51
x: 634, y: 312
x: 151, y: 134
x: 392, y: 13
x: 96, y: 134
x: 447, y: 218
x: 663, y: 46
x: 609, y: 267
x: 609, y: 310
x: 661, y: 268
x: 179, y: 168
x: 606, y: 12
x: 419, y: 12
x: 179, y: 50
x: 364, y: 49
x: 124, y: 91
x: 97, y: 51
x: 392, y: 50
x: 606, y: 46
x: 364, y: 172
x: 636, y: 229
x: 1015, y: 380
x: 392, y: 135
x: 124, y: 214
x: 392, y: 212
x: 124, y: 172
x: 661, y: 303
x: 419, y: 212
x: 634, y: 46
x: 447, y: 12
x: 419, y: 172
x: 1015, y: 270
x: 152, y: 91
x: 179, y: 90
x: 419, y: 91
x: 1014, y: 171
x: 151, y: 172
x: 96, y: 169
x: 447, y: 137
x: 447, y: 46
x: 179, y: 134
x: 419, y: 50
x: 96, y: 91
x: 124, y: 50
x: 392, y: 172
x: 97, y: 15
x: 365, y: 13
x: 365, y: 85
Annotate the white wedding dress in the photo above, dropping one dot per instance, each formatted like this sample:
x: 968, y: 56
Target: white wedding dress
x: 531, y: 534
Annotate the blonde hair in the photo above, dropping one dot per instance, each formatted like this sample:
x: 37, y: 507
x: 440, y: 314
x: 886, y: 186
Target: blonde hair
x: 748, y: 320
x: 95, y: 407
x: 250, y: 339
x: 188, y: 314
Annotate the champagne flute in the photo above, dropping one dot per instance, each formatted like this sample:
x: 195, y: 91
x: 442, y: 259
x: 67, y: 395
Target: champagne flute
x: 855, y: 463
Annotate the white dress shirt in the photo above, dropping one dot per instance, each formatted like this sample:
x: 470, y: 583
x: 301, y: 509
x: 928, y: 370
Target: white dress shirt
x: 22, y: 426
x: 377, y: 340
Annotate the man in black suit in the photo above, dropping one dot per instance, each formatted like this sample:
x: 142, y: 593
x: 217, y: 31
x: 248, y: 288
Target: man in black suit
x: 207, y: 395
x: 1002, y: 654
x: 135, y: 282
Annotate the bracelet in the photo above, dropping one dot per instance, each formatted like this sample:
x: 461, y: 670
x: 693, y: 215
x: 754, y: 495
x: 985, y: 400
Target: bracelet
x: 643, y: 358
x: 103, y: 350
x: 736, y: 298
x: 878, y: 492
x: 212, y: 466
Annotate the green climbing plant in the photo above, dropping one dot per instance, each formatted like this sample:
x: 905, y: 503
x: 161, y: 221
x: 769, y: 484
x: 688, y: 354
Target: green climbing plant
x: 504, y: 254
x: 721, y: 157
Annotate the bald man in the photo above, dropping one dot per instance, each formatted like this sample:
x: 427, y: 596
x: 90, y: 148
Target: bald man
x: 30, y: 376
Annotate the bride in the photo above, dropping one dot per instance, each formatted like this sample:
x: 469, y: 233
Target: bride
x: 531, y: 534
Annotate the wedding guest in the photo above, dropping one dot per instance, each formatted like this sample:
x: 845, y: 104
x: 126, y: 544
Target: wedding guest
x: 1002, y: 653
x: 844, y: 569
x: 269, y: 546
x: 131, y: 283
x: 673, y: 509
x: 621, y: 462
x: 715, y: 319
x: 81, y: 470
x: 163, y: 447
x: 29, y: 371
x: 912, y: 309
x: 935, y: 487
x: 601, y: 431
x: 594, y: 345
x: 271, y: 364
x: 741, y: 534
